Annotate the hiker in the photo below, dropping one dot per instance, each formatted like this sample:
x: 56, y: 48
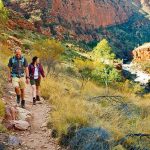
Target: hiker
x: 18, y: 68
x: 35, y: 73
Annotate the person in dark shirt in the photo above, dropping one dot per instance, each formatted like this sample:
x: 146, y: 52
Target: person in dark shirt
x: 19, y: 75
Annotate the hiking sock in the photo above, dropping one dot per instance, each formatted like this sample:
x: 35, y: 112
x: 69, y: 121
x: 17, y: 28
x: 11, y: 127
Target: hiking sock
x: 34, y: 101
x: 38, y: 98
x: 23, y: 103
x: 18, y: 99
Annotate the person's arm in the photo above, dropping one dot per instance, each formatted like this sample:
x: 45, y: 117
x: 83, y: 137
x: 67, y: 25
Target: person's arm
x: 42, y: 71
x: 9, y: 75
x: 26, y: 71
x: 10, y: 69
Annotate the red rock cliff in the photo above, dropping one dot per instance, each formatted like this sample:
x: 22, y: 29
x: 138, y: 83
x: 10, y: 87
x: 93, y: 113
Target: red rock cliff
x: 142, y: 53
x: 91, y: 13
x: 85, y: 13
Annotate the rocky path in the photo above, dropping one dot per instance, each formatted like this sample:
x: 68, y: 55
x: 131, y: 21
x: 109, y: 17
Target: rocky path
x: 38, y: 137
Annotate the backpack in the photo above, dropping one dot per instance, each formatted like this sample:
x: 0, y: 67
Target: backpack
x: 14, y: 60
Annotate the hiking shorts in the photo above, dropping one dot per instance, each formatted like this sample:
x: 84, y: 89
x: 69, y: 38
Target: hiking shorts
x: 19, y: 82
x: 35, y: 82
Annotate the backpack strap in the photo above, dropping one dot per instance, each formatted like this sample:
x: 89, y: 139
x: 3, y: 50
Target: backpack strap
x: 14, y: 59
x: 22, y: 60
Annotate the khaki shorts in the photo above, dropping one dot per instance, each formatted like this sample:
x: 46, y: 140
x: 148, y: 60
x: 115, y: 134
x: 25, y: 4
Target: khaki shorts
x: 19, y: 82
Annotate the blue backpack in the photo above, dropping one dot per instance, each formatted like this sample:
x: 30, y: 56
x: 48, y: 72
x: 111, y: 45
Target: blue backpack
x: 18, y: 72
x: 15, y: 60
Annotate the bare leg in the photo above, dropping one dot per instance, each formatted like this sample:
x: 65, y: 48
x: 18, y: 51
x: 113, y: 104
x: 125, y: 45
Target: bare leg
x: 17, y: 90
x: 33, y: 91
x: 22, y: 94
x: 38, y: 90
x: 38, y: 93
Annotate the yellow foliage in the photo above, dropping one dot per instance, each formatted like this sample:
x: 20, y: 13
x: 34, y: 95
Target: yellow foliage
x: 5, y: 53
x: 47, y: 49
x: 81, y: 64
x: 2, y: 109
x: 1, y: 5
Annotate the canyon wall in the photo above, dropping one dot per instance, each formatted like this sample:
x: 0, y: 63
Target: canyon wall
x: 142, y: 53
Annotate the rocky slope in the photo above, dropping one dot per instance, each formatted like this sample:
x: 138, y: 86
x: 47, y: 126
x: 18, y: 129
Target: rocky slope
x: 142, y: 53
x: 86, y: 13
x: 89, y: 20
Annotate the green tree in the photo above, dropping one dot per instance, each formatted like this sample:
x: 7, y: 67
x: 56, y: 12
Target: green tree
x: 103, y: 52
x: 85, y: 68
x: 106, y: 75
x: 49, y: 52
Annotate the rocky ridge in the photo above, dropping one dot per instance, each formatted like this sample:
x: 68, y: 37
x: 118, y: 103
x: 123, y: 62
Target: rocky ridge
x: 142, y: 53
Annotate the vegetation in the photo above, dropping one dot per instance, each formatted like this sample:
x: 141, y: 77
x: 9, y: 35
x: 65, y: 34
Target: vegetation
x: 3, y: 15
x: 71, y: 109
x: 49, y: 52
x: 2, y: 109
x: 107, y: 100
x: 103, y: 52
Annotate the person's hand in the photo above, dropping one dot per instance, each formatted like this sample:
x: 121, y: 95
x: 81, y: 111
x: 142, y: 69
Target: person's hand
x: 27, y: 81
x: 10, y: 79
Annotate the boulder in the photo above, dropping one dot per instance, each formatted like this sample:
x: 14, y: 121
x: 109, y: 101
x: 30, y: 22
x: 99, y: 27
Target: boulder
x: 24, y: 115
x: 2, y: 146
x: 17, y: 118
x: 11, y: 113
x: 21, y: 125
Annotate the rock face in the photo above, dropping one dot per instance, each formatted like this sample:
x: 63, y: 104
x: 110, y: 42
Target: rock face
x: 91, y: 13
x: 85, y: 13
x: 86, y: 20
x: 80, y: 18
x: 142, y: 53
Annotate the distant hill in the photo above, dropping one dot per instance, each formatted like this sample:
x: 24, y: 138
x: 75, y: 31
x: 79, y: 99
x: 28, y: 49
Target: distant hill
x: 125, y: 23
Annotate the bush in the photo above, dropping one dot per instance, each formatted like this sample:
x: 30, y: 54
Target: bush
x: 2, y: 109
x: 49, y: 51
x: 91, y: 139
x: 2, y: 129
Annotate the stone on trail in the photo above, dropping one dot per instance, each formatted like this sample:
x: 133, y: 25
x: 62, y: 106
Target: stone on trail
x: 44, y: 125
x: 2, y: 146
x: 12, y: 93
x: 14, y: 141
x: 17, y: 118
x: 24, y: 115
x: 11, y: 113
x: 21, y: 125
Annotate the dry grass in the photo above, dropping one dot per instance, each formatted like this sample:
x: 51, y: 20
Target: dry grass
x: 70, y: 107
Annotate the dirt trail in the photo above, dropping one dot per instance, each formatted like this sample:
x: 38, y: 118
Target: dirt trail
x: 38, y: 137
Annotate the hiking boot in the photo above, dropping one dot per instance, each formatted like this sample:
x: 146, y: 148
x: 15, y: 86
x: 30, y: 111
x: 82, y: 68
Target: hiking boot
x: 18, y: 99
x: 38, y: 98
x: 34, y: 101
x: 23, y: 104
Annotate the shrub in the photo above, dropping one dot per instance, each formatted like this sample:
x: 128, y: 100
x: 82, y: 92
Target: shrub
x: 49, y: 51
x: 2, y: 109
x: 2, y: 129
